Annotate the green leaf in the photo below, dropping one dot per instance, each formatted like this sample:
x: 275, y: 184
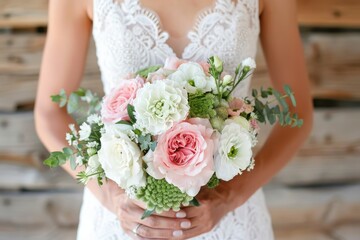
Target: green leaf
x: 290, y: 94
x: 56, y: 98
x: 51, y: 162
x: 55, y: 159
x: 145, y: 72
x: 281, y: 118
x: 73, y: 103
x: 131, y: 113
x: 63, y: 99
x: 300, y: 122
x: 72, y: 162
x: 81, y: 92
x: 153, y: 146
x: 281, y: 101
x: 254, y: 93
x: 124, y: 122
x: 67, y: 151
x: 194, y: 202
x: 147, y: 213
x: 264, y: 93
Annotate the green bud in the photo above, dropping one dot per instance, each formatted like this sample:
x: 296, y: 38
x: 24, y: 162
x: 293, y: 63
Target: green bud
x: 91, y: 151
x: 217, y: 123
x: 222, y: 112
x: 227, y: 80
x: 218, y: 64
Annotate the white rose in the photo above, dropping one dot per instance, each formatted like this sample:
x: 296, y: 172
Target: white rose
x: 121, y: 160
x: 234, y: 153
x: 192, y: 77
x: 159, y: 105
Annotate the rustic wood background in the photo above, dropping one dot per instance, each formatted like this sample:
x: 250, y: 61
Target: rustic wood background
x: 317, y: 196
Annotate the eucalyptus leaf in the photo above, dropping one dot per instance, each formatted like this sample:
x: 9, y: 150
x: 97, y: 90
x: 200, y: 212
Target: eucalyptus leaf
x: 67, y: 151
x: 72, y: 162
x: 73, y: 103
x: 145, y: 72
x: 290, y: 94
x: 147, y: 213
x: 281, y: 101
x: 195, y: 202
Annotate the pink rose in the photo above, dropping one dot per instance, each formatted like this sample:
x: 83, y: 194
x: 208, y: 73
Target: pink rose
x: 114, y: 107
x: 173, y: 63
x: 184, y: 155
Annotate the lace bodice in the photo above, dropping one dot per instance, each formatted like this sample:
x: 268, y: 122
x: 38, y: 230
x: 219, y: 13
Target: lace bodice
x: 129, y: 37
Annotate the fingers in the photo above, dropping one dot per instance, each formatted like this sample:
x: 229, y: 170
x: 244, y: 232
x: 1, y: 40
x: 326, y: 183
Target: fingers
x: 145, y: 232
x: 159, y: 222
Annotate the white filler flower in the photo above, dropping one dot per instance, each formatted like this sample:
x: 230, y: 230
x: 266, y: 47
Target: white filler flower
x: 159, y: 105
x: 121, y: 160
x: 84, y: 132
x: 234, y: 152
x: 192, y: 77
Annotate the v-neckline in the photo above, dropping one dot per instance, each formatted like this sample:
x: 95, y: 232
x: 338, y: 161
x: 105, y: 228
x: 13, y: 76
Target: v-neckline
x: 198, y: 19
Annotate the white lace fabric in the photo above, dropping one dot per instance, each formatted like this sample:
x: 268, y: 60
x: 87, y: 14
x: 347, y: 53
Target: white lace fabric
x: 129, y: 37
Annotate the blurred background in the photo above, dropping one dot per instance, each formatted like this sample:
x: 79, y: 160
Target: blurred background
x: 316, y: 197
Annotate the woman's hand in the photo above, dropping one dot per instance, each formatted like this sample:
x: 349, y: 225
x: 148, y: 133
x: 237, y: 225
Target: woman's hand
x: 214, y: 205
x: 168, y: 225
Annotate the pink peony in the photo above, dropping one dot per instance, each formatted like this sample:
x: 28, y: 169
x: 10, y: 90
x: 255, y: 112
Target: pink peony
x: 173, y: 63
x: 184, y: 155
x: 114, y: 107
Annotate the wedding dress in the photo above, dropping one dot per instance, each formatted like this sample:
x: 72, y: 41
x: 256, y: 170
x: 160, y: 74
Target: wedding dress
x: 129, y: 37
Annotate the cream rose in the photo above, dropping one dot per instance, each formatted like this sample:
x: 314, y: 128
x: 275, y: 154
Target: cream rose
x: 121, y: 159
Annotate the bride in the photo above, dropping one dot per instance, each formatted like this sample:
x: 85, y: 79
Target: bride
x: 132, y: 34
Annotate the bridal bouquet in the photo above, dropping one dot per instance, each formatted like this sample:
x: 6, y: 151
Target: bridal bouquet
x: 167, y: 131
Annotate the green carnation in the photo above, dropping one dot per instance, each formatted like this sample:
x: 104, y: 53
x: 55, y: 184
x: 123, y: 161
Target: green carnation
x: 160, y: 196
x: 202, y: 105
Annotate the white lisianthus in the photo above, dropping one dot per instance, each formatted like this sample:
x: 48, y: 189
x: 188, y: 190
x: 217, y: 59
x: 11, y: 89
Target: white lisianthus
x: 93, y: 165
x: 249, y: 62
x: 121, y: 159
x: 234, y: 152
x: 192, y: 77
x: 85, y: 131
x: 117, y: 129
x: 159, y: 105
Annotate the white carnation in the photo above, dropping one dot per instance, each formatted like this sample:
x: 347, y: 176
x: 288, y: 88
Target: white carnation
x: 159, y: 105
x: 192, y: 77
x: 121, y: 159
x: 84, y: 132
x: 234, y: 153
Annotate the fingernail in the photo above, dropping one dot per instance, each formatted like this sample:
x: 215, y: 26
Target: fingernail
x: 177, y: 233
x: 180, y: 214
x: 185, y: 224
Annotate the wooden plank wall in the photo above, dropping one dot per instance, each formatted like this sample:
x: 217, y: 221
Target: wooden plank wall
x: 317, y: 196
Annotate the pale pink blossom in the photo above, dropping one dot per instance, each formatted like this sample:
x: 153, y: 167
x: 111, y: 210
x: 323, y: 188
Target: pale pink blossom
x: 114, y: 107
x: 184, y: 155
x: 254, y: 125
x: 173, y: 63
x: 236, y: 106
